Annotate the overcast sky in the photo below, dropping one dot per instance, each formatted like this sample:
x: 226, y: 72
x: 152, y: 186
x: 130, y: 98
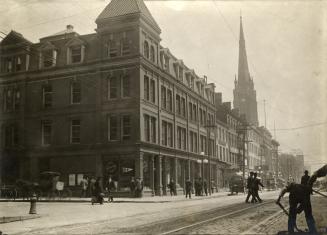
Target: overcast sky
x: 286, y: 43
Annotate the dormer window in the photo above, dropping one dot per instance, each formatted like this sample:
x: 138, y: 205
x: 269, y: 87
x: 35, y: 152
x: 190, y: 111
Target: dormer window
x: 180, y: 73
x: 49, y: 58
x: 76, y: 54
x: 146, y: 50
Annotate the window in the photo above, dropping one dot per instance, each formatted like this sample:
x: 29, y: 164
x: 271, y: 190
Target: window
x: 47, y: 96
x: 193, y: 142
x: 49, y: 58
x: 166, y: 63
x: 152, y: 91
x: 76, y: 54
x: 190, y: 113
x: 170, y: 134
x: 147, y: 128
x: 169, y: 100
x: 125, y: 86
x: 152, y: 54
x: 203, y: 144
x: 150, y: 133
x: 163, y: 97
x: 8, y: 100
x: 75, y: 131
x: 124, y: 45
x: 178, y: 104
x: 164, y: 133
x: 180, y: 73
x: 11, y: 135
x: 46, y: 132
x: 113, y: 49
x: 146, y: 88
x: 146, y: 49
x: 16, y: 99
x: 126, y: 127
x: 183, y: 106
x: 18, y: 64
x: 113, y: 87
x: 113, y: 128
x: 153, y: 132
x: 9, y: 67
x: 181, y: 138
x: 194, y: 112
x: 75, y: 89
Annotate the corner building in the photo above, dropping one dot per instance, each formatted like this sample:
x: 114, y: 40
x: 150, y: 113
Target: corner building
x: 114, y: 102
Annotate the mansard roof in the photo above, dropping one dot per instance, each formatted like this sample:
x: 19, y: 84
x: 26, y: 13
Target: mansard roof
x: 126, y: 7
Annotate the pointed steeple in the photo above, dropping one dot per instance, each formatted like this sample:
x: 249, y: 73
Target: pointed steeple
x: 243, y: 68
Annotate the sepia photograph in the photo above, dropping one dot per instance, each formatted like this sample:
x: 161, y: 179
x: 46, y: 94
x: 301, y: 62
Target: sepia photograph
x: 163, y: 117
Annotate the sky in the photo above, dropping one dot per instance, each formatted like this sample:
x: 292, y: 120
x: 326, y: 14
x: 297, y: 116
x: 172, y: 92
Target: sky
x: 286, y: 43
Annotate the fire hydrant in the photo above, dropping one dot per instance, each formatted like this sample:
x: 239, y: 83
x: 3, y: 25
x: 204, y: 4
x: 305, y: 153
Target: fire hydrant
x: 33, y: 204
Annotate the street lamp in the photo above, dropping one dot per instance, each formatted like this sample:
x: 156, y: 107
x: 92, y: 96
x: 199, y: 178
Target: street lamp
x: 202, y: 161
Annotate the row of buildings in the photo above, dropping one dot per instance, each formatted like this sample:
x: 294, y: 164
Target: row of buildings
x: 116, y: 103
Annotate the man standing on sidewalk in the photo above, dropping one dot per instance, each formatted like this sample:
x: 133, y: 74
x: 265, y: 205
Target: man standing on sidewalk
x: 188, y: 187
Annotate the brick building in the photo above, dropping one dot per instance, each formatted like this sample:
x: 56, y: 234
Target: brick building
x: 114, y: 102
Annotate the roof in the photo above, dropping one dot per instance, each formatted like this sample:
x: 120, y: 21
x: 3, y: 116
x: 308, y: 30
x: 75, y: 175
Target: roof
x: 125, y: 7
x: 14, y: 37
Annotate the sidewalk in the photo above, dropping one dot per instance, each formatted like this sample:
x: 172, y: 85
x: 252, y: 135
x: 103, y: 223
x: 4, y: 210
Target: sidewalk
x: 65, y: 214
x: 154, y: 199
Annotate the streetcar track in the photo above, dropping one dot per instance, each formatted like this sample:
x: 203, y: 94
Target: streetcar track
x: 215, y: 218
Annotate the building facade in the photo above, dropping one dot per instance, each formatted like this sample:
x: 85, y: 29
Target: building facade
x: 112, y: 103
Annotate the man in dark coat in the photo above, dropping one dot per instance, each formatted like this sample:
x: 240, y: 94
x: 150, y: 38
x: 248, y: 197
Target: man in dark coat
x: 172, y: 187
x: 132, y: 186
x: 139, y: 187
x: 205, y: 187
x: 255, y: 188
x: 188, y: 188
x: 299, y: 194
x: 305, y: 178
x: 249, y: 187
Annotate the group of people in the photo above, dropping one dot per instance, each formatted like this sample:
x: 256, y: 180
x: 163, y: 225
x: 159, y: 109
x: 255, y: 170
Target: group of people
x: 253, y: 183
x: 136, y: 187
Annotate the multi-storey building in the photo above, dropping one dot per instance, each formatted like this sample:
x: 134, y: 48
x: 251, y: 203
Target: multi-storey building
x: 114, y: 102
x: 291, y: 166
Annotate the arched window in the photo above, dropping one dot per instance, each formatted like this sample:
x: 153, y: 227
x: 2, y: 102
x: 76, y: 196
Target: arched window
x: 146, y: 49
x: 152, y: 55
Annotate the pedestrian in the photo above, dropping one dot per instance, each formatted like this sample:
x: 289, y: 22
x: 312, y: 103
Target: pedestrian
x: 132, y: 186
x: 200, y: 186
x: 249, y: 187
x: 110, y: 187
x: 188, y: 188
x: 84, y: 186
x: 305, y: 178
x: 255, y: 188
x: 139, y: 187
x: 98, y: 191
x: 205, y: 187
x: 299, y: 194
x: 91, y: 185
x: 213, y: 184
x: 172, y: 187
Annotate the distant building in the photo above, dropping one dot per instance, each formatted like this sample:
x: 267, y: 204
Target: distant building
x: 291, y: 166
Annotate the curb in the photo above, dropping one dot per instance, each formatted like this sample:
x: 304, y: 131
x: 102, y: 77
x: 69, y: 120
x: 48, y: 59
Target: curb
x: 10, y: 219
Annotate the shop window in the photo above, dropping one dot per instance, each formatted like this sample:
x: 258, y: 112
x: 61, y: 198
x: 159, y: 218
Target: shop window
x: 47, y: 96
x: 113, y: 128
x: 75, y: 131
x: 75, y: 92
x: 126, y: 127
x: 46, y: 132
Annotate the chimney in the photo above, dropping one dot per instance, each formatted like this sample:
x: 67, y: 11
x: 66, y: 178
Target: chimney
x: 69, y: 27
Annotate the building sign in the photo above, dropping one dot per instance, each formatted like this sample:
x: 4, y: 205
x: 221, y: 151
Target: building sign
x: 111, y: 167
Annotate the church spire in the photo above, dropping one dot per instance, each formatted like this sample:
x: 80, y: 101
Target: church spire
x: 243, y: 68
